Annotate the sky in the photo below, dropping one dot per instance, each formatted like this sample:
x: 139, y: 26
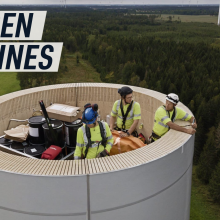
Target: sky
x: 187, y: 2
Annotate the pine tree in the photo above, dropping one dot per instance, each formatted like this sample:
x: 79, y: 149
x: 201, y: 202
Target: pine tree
x: 208, y: 159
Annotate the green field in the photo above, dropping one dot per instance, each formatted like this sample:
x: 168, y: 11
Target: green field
x: 190, y: 18
x: 81, y: 72
x: 202, y: 207
x: 8, y: 83
x: 186, y: 18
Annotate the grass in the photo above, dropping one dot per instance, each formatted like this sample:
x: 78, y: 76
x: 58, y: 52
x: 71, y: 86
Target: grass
x: 202, y: 207
x: 81, y: 72
x: 8, y: 83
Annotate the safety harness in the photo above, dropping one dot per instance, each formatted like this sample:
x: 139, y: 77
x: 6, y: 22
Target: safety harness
x: 125, y: 115
x: 88, y: 135
x: 173, y: 116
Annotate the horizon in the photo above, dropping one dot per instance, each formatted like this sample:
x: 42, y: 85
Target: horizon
x: 112, y: 4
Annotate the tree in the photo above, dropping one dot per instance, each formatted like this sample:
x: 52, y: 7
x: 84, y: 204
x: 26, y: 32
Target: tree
x: 208, y: 159
x: 77, y: 59
x: 71, y: 44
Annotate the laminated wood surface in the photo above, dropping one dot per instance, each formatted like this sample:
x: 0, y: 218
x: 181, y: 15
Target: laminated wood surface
x: 20, y: 105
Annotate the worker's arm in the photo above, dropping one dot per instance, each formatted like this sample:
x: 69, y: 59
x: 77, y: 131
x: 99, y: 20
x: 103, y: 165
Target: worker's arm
x: 182, y: 115
x: 131, y: 129
x: 79, y: 145
x: 133, y: 126
x: 110, y: 139
x: 112, y: 122
x: 113, y: 116
x: 194, y: 125
x: 182, y: 129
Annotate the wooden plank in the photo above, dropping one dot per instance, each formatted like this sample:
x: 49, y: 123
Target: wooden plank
x: 67, y: 167
x: 104, y: 164
x: 19, y: 165
x: 10, y: 164
x: 107, y: 165
x: 86, y: 166
x: 83, y: 167
x: 94, y: 168
x: 98, y: 165
x: 40, y: 167
x: 126, y: 160
x: 76, y: 167
x: 80, y: 167
x: 99, y: 160
x: 31, y: 169
x: 26, y: 165
x: 71, y: 169
x: 59, y: 166
x: 117, y: 163
x: 53, y: 168
x: 48, y: 168
x: 89, y: 166
x: 110, y: 162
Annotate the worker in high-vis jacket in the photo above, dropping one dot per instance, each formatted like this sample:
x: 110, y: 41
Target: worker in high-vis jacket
x: 167, y: 114
x: 127, y: 112
x: 94, y: 138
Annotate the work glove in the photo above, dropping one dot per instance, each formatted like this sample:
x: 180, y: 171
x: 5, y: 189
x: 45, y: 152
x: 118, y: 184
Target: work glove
x: 104, y: 153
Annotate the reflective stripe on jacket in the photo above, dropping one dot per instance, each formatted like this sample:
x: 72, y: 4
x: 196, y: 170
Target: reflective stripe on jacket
x: 134, y: 114
x: 162, y: 118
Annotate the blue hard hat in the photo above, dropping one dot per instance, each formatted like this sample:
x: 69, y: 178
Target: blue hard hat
x: 89, y: 116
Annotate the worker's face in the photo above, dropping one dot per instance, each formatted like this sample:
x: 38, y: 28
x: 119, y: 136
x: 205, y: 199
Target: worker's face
x: 92, y: 125
x: 169, y: 105
x: 128, y: 98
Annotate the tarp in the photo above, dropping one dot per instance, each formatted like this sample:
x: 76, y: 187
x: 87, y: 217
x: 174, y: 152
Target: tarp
x: 125, y: 144
x: 19, y: 134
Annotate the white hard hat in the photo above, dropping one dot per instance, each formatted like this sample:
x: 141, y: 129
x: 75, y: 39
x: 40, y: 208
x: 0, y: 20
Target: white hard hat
x: 172, y: 98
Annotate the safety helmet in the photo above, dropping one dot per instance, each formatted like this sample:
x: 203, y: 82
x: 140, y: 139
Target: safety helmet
x: 172, y: 98
x: 90, y: 114
x: 125, y: 90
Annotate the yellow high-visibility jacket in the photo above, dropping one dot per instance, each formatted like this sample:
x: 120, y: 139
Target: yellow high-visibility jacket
x: 96, y: 137
x: 162, y: 118
x: 134, y: 114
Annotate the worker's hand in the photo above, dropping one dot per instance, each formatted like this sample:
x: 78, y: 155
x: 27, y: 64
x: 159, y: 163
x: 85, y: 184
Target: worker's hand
x: 190, y: 131
x: 194, y: 125
x: 111, y: 129
x: 104, y: 153
x: 122, y: 134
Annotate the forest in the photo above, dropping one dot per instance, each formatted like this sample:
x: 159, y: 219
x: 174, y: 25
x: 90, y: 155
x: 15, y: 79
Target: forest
x: 167, y: 56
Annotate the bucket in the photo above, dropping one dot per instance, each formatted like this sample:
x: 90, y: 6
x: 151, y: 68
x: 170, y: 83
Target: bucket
x: 34, y: 150
x: 58, y: 130
x: 5, y: 142
x: 36, y: 132
x: 18, y: 146
x: 71, y: 129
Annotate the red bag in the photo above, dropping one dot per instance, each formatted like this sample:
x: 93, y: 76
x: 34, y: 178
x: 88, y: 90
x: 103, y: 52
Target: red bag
x: 51, y: 153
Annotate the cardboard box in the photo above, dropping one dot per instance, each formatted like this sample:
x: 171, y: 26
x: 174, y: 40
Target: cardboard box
x: 63, y: 112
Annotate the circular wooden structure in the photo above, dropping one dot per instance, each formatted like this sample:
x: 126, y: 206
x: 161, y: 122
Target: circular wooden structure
x: 153, y: 182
